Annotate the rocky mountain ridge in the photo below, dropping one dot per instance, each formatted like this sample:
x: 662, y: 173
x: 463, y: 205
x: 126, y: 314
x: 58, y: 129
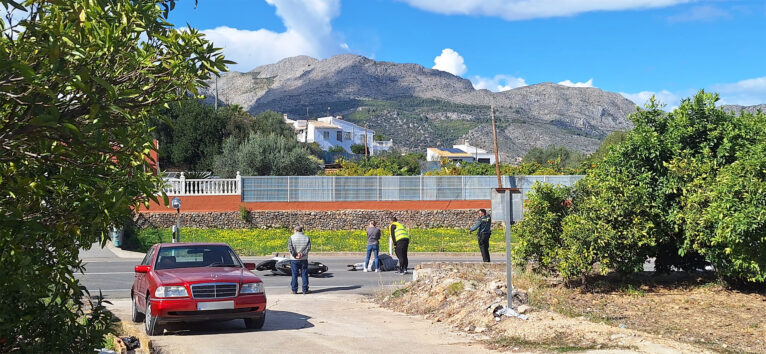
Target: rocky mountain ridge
x: 420, y: 107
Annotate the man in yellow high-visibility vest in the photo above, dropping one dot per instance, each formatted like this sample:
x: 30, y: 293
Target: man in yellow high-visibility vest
x: 401, y: 241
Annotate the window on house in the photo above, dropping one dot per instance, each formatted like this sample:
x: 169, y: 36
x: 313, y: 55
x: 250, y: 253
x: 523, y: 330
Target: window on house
x: 347, y: 136
x: 326, y: 135
x: 339, y: 135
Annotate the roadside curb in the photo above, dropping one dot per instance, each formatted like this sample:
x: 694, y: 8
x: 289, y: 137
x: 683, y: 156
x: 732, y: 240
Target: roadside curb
x: 120, y: 253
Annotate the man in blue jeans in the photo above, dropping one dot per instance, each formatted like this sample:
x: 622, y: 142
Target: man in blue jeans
x: 299, y: 246
x: 373, y: 246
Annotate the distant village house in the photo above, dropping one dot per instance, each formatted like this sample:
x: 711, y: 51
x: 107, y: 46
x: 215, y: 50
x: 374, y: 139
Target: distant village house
x: 460, y: 153
x: 330, y: 132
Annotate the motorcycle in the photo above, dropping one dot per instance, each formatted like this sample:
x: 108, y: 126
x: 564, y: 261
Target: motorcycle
x: 281, y: 266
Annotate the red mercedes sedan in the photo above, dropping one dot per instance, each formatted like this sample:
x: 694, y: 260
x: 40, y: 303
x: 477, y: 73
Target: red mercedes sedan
x: 188, y: 282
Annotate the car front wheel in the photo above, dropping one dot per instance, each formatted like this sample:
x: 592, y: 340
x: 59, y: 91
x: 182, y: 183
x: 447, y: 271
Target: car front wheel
x: 136, y: 316
x: 150, y: 322
x: 255, y: 323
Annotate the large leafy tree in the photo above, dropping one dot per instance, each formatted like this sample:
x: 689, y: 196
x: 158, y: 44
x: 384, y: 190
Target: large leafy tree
x: 79, y: 80
x: 683, y: 187
x: 190, y: 133
x: 265, y: 154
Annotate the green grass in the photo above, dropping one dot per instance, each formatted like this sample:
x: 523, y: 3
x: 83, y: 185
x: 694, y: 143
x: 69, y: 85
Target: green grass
x: 545, y: 345
x: 455, y: 288
x: 258, y: 242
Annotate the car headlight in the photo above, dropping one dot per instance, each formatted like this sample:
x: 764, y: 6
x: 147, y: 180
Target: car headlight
x: 171, y: 291
x: 251, y: 288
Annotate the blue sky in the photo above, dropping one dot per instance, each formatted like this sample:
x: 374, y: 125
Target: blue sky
x: 671, y: 48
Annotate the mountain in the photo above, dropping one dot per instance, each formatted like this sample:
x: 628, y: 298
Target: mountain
x: 420, y: 107
x: 749, y: 109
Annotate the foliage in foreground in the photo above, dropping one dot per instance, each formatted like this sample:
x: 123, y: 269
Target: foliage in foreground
x: 79, y: 81
x: 685, y: 187
x: 259, y: 242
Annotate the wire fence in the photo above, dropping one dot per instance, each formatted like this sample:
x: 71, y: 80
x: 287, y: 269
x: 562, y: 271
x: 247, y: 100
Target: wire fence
x: 385, y: 188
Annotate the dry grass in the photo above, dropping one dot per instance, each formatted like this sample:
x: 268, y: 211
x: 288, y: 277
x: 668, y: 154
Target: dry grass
x: 693, y: 311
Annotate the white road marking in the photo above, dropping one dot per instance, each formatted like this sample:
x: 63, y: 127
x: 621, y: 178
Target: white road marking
x: 105, y: 273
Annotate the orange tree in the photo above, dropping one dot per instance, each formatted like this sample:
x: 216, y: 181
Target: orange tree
x: 684, y: 187
x: 79, y: 80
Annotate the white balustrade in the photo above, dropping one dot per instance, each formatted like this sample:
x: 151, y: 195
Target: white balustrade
x: 183, y: 186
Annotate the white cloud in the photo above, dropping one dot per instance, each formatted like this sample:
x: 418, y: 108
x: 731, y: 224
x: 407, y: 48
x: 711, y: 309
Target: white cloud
x: 746, y: 92
x: 569, y: 83
x: 705, y: 13
x: 451, y: 62
x: 497, y: 83
x: 513, y: 10
x: 670, y: 99
x: 308, y: 32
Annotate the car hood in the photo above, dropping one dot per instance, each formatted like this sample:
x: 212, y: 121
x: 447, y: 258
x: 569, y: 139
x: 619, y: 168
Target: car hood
x: 206, y: 275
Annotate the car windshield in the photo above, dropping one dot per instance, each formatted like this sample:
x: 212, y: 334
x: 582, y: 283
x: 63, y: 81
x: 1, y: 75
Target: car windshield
x: 196, y: 256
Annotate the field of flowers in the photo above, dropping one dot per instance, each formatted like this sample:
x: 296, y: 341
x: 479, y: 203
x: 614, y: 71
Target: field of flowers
x: 259, y: 242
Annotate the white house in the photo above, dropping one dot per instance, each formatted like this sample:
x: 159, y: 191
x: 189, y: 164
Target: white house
x: 463, y: 152
x: 330, y: 132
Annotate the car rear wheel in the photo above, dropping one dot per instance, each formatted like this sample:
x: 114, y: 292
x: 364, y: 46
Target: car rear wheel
x: 150, y: 322
x: 136, y: 316
x: 255, y: 323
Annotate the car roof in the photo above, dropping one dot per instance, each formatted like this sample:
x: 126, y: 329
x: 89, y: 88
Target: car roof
x: 183, y: 244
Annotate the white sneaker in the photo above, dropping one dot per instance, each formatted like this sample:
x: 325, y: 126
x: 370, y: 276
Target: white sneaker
x: 377, y: 270
x: 365, y: 270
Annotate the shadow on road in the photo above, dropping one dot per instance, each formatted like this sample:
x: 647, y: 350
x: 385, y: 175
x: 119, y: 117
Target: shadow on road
x: 323, y: 275
x: 275, y: 321
x: 336, y: 288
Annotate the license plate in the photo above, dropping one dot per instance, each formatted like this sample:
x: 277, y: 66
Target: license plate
x: 215, y: 305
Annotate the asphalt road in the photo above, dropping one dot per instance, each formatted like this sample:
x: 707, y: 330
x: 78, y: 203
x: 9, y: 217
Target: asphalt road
x: 113, y: 277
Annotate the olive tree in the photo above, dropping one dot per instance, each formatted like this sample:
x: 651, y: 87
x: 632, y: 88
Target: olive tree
x: 79, y: 80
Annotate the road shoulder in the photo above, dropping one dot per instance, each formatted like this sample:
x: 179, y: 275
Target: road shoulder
x: 319, y: 322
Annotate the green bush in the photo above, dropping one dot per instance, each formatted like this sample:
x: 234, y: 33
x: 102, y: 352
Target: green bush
x: 265, y: 155
x: 358, y: 149
x: 539, y: 233
x: 729, y: 231
x: 243, y: 213
x: 683, y: 187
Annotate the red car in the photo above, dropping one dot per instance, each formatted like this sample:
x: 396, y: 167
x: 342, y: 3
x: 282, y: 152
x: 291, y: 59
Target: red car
x: 186, y: 282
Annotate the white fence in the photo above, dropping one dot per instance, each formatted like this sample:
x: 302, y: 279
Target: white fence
x: 216, y: 186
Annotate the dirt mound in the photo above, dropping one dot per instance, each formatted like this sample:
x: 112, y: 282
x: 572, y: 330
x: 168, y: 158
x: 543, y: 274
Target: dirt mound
x: 463, y: 295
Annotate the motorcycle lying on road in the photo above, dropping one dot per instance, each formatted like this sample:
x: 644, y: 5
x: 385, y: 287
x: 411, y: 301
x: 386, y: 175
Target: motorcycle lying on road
x: 281, y: 266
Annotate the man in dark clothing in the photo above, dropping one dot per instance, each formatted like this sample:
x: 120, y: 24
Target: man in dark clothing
x: 373, y: 246
x: 483, y: 228
x: 401, y: 241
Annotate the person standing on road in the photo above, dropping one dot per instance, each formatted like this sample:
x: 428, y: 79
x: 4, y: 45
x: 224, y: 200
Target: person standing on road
x: 401, y: 243
x: 299, y: 246
x: 373, y: 246
x: 483, y: 231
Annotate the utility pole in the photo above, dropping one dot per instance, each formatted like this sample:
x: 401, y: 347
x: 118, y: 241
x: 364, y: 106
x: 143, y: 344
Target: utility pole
x: 365, y: 140
x: 216, y: 93
x: 497, y: 158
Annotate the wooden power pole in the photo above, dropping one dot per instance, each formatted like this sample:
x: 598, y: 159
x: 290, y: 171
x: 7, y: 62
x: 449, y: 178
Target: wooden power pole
x: 497, y: 158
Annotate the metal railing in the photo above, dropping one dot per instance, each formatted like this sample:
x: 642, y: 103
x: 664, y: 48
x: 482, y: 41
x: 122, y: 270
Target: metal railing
x: 384, y: 188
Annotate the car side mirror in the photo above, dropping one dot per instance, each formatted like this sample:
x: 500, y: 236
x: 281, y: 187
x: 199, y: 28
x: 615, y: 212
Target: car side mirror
x: 142, y: 268
x: 250, y: 266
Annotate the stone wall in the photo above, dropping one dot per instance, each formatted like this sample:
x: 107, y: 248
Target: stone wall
x: 312, y: 220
